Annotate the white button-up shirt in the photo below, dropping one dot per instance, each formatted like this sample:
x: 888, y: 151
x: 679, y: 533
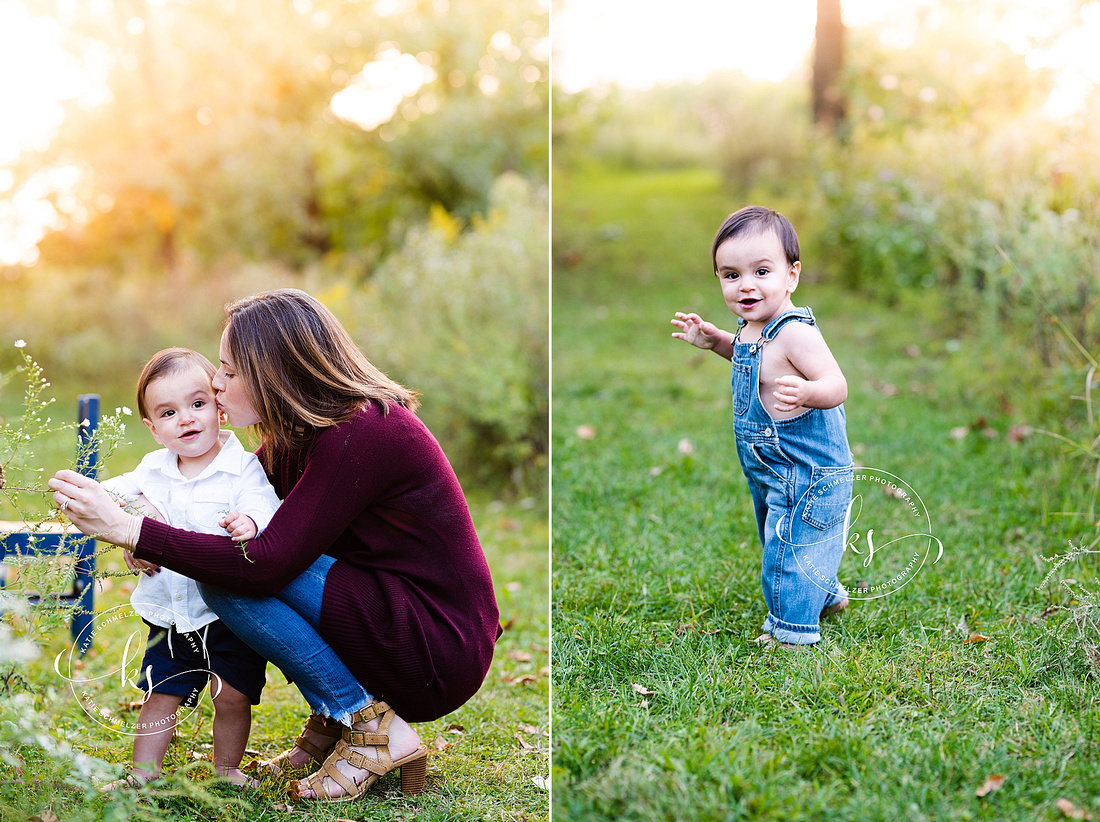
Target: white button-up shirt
x: 233, y: 481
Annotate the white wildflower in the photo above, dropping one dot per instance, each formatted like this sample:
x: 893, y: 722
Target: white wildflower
x: 20, y: 343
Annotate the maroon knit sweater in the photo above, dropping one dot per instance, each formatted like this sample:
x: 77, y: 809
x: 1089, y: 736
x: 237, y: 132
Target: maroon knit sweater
x: 409, y: 605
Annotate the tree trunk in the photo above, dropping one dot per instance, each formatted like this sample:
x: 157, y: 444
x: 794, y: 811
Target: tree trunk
x: 828, y: 100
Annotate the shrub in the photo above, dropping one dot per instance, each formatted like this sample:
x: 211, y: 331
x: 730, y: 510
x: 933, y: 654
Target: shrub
x: 462, y: 317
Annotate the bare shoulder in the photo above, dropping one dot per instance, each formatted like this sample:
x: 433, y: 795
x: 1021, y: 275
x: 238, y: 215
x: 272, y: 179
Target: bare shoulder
x: 799, y: 336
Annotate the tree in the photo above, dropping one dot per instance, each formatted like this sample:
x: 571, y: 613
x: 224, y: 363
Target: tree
x: 217, y: 139
x: 828, y: 99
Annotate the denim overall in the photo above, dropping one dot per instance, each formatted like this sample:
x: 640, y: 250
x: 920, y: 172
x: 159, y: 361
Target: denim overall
x: 799, y: 472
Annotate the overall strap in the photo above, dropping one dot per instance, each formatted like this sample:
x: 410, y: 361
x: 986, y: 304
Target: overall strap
x: 803, y: 315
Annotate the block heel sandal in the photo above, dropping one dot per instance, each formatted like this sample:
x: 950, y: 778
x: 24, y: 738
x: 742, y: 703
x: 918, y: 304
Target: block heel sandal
x: 413, y: 768
x: 316, y: 723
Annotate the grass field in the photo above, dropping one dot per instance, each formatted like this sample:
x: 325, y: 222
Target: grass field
x: 664, y: 708
x: 488, y: 760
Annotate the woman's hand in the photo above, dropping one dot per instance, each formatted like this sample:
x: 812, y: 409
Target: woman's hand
x: 93, y: 510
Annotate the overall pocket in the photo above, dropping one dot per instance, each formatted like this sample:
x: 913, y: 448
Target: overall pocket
x: 742, y: 389
x: 825, y: 503
x: 773, y: 460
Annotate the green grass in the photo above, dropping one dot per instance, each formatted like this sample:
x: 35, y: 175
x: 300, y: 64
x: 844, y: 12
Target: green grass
x: 484, y: 760
x: 656, y: 562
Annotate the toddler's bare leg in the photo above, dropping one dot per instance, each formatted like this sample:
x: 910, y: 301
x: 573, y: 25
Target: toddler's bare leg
x: 156, y: 724
x: 232, y: 723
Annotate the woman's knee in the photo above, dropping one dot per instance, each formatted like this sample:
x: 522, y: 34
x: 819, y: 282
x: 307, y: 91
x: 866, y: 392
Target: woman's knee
x: 219, y: 600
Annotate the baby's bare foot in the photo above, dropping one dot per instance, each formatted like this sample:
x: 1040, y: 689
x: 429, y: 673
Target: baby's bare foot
x: 134, y: 779
x: 239, y: 778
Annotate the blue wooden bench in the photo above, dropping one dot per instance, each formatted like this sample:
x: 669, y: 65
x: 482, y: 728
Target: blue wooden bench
x: 19, y: 539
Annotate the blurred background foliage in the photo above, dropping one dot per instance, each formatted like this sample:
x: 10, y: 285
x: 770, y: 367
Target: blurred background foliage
x: 951, y: 151
x: 222, y: 147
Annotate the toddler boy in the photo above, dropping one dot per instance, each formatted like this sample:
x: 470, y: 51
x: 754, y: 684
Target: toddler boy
x: 788, y: 394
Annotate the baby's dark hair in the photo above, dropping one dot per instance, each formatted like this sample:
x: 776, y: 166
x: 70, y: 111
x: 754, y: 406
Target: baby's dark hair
x: 756, y: 220
x: 169, y: 361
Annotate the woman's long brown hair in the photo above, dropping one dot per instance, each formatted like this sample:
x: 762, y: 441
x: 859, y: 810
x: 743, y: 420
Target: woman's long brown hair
x: 301, y: 369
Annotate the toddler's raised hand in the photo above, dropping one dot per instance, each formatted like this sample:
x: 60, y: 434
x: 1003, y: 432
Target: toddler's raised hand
x: 695, y: 330
x: 240, y: 526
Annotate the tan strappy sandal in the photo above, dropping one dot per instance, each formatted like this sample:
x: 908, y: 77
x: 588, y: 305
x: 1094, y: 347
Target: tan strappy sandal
x: 316, y: 723
x: 414, y: 767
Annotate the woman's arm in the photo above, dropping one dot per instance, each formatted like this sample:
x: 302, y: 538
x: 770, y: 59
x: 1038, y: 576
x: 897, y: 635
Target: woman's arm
x: 350, y: 468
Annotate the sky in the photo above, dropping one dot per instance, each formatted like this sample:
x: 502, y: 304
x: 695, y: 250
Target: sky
x: 615, y: 41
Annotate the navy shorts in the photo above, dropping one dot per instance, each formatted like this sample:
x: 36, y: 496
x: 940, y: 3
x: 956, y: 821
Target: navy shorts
x: 182, y: 662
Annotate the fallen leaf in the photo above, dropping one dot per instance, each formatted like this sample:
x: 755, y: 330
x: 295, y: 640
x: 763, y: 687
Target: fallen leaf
x: 508, y: 679
x: 456, y: 728
x: 685, y: 447
x: 642, y: 689
x: 571, y: 257
x: 895, y: 492
x: 962, y: 626
x: 586, y: 432
x: 541, y: 782
x: 527, y: 746
x: 959, y: 432
x: 1018, y: 433
x: 975, y: 638
x: 644, y: 703
x: 440, y: 744
x: 530, y: 729
x: 992, y: 784
x: 1070, y: 811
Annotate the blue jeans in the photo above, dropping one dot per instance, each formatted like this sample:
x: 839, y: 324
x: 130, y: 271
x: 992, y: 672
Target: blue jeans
x: 284, y: 629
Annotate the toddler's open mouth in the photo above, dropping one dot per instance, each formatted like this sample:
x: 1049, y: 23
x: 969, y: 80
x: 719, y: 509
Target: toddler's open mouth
x: 748, y: 303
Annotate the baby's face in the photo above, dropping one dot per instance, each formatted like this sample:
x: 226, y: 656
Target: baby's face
x: 183, y: 415
x: 757, y: 281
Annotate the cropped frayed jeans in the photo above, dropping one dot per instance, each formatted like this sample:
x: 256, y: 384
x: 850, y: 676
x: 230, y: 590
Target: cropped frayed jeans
x: 285, y: 629
x: 799, y: 472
